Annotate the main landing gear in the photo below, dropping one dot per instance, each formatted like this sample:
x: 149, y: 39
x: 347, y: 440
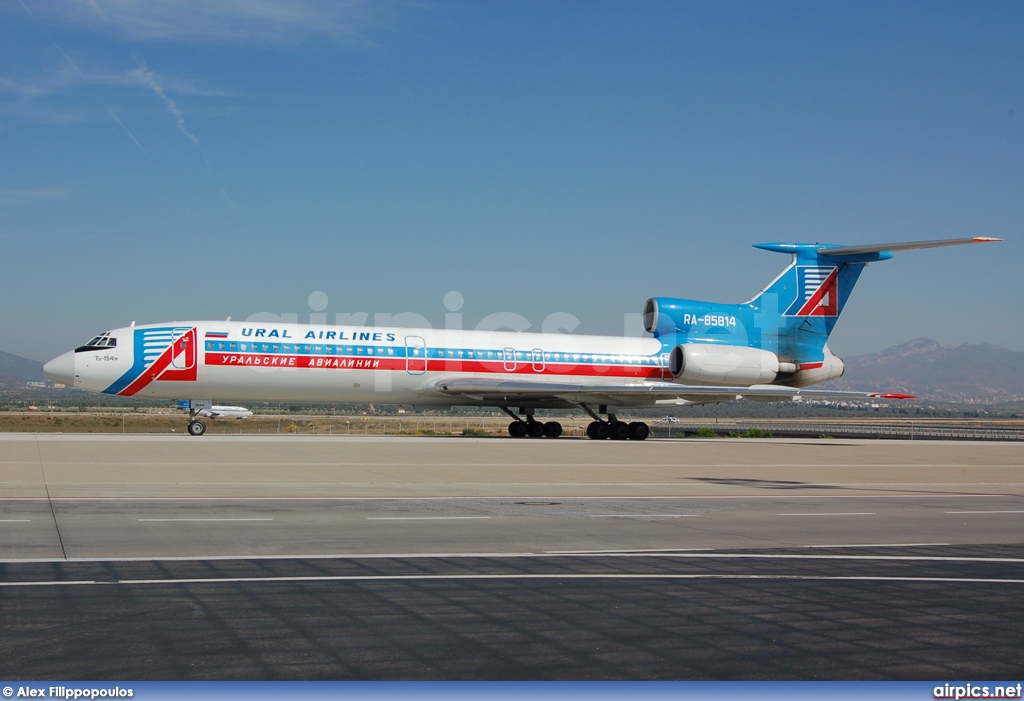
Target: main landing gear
x: 618, y: 430
x: 196, y: 427
x: 598, y: 429
x: 613, y: 428
x: 530, y: 427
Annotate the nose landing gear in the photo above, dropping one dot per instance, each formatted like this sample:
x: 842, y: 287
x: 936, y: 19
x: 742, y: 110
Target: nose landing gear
x: 195, y: 426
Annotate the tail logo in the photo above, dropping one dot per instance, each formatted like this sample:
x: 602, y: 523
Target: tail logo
x: 817, y: 292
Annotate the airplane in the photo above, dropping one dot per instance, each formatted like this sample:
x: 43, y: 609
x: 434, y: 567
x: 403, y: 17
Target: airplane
x: 218, y: 412
x: 770, y: 348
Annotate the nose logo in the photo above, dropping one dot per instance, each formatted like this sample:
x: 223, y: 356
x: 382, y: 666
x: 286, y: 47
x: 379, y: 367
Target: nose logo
x: 165, y: 354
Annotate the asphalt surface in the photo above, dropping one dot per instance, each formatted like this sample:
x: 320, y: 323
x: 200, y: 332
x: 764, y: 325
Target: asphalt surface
x: 344, y: 558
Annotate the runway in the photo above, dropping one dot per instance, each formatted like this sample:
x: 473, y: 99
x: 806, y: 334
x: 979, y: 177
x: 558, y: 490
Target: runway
x: 154, y: 557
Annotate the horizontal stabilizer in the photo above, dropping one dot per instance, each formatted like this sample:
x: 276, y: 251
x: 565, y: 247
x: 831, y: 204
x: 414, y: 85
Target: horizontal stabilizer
x: 907, y: 246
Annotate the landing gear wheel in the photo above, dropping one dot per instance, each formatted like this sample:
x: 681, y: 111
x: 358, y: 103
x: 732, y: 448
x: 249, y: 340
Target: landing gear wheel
x: 517, y: 429
x: 598, y: 430
x: 535, y: 429
x: 196, y: 428
x: 618, y: 431
x: 638, y: 431
x: 552, y: 429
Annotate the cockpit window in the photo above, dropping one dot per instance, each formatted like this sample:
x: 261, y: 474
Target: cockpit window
x: 104, y: 340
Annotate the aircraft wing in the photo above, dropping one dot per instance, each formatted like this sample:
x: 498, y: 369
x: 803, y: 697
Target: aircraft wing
x: 503, y: 392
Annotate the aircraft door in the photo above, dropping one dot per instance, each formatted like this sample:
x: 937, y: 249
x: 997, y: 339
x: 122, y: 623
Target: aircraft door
x: 184, y: 354
x: 509, y: 356
x: 415, y: 355
x: 538, y: 360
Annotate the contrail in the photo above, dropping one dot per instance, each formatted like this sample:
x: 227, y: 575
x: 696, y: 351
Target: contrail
x: 126, y: 131
x: 149, y: 78
x: 230, y: 203
x: 96, y: 8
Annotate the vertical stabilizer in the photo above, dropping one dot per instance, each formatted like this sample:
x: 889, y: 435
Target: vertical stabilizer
x: 797, y: 311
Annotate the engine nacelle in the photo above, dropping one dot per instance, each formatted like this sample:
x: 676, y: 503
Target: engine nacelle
x: 808, y: 374
x: 698, y: 363
x: 667, y: 315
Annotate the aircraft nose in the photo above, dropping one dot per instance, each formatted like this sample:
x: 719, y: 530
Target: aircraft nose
x: 61, y: 368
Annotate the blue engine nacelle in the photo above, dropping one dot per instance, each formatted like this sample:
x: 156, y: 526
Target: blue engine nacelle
x: 664, y: 316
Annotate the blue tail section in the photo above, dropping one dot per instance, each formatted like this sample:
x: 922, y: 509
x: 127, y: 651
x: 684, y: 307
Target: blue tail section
x: 791, y: 317
x: 797, y: 311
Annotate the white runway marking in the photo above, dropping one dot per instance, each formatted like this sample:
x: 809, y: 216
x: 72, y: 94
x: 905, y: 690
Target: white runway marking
x: 841, y: 513
x: 15, y: 520
x: 886, y: 494
x: 423, y: 518
x: 983, y: 512
x: 642, y: 515
x: 203, y: 519
x: 637, y: 551
x: 876, y: 545
x: 520, y: 576
x: 689, y: 553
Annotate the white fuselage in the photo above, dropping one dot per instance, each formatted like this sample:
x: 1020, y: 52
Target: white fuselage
x: 251, y: 361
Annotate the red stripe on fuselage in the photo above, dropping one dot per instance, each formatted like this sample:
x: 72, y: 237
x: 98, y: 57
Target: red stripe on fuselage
x: 476, y: 367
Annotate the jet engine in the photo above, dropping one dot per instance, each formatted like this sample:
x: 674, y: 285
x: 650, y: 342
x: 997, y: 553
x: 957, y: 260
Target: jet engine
x: 808, y: 374
x: 698, y: 363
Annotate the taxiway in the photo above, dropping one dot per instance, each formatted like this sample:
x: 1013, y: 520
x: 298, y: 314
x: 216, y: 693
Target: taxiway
x: 424, y: 558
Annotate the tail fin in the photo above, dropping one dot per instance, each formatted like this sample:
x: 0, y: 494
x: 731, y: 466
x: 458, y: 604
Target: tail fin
x: 799, y: 308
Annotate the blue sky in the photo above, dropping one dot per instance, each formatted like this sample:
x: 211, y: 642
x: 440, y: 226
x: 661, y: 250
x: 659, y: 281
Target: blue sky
x: 188, y: 159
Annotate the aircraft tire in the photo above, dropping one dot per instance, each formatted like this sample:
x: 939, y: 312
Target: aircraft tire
x: 598, y: 430
x: 552, y: 429
x: 618, y: 431
x: 638, y: 431
x: 535, y: 429
x: 196, y: 428
x: 517, y: 429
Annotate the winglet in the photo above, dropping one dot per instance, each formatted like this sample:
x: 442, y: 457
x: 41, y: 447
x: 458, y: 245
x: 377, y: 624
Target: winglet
x: 893, y: 395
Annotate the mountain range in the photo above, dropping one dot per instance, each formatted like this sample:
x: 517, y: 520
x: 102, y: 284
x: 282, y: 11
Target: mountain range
x: 16, y: 371
x: 975, y: 373
x: 969, y: 372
